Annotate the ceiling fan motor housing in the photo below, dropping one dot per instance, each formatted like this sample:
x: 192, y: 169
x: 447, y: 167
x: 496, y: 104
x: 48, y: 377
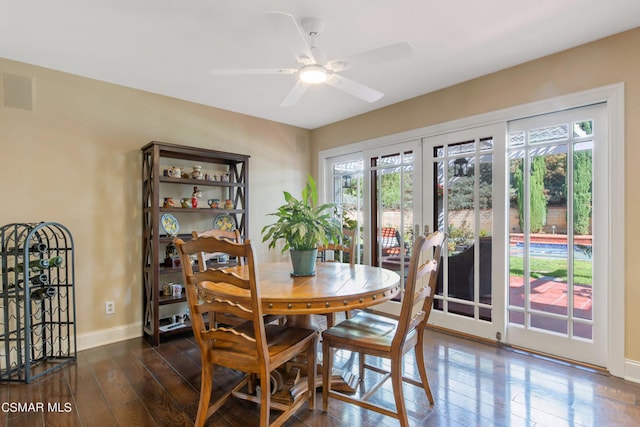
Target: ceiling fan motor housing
x: 312, y: 26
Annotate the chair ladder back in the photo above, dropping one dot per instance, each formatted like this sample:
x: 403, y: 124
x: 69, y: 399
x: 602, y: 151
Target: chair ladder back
x: 347, y: 251
x: 219, y: 275
x: 232, y: 236
x: 420, y: 294
x: 350, y: 247
x: 406, y: 309
x: 434, y: 240
x: 413, y: 311
x: 237, y: 296
x: 212, y: 244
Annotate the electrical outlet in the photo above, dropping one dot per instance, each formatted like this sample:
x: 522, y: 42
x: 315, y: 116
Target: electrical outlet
x: 110, y: 307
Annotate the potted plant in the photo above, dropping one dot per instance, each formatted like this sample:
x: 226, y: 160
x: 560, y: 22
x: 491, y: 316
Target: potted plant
x: 303, y: 226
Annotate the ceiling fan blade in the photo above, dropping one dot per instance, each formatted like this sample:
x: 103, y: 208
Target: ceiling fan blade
x: 294, y: 96
x: 354, y: 88
x: 288, y: 28
x: 252, y: 71
x: 390, y: 52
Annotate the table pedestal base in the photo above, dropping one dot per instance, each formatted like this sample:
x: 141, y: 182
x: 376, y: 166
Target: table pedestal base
x: 344, y: 382
x: 293, y: 376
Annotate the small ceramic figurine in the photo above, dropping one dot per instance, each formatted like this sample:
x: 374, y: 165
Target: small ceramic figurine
x: 197, y: 172
x: 195, y: 196
x: 168, y: 203
x: 228, y: 204
x: 174, y: 172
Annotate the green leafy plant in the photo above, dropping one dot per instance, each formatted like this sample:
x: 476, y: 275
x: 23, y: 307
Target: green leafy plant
x: 301, y: 223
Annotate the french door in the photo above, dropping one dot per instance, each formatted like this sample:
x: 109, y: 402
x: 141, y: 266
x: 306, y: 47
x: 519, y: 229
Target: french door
x: 464, y: 197
x: 379, y: 194
x: 557, y: 287
x: 346, y: 183
x: 526, y: 261
x: 395, y: 185
x: 526, y: 221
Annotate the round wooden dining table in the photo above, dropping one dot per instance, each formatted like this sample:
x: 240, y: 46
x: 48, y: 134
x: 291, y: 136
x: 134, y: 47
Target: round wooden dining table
x: 334, y: 288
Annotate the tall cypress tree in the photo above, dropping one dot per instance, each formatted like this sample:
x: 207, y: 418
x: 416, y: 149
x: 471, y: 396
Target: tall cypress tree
x: 582, y: 181
x: 537, y: 200
x: 518, y: 178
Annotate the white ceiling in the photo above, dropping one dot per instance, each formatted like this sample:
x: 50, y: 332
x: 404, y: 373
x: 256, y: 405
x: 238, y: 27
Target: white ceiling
x: 169, y: 47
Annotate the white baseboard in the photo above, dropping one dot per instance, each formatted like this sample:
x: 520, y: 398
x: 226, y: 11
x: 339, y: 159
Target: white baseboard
x: 108, y: 336
x: 632, y: 370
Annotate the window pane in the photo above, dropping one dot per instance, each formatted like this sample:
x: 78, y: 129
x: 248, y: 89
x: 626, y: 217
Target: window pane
x: 583, y: 129
x: 486, y: 229
x: 516, y: 138
x: 516, y: 241
x: 486, y: 143
x: 582, y: 235
x: 461, y: 199
x: 550, y: 133
x: 461, y: 147
x: 393, y: 159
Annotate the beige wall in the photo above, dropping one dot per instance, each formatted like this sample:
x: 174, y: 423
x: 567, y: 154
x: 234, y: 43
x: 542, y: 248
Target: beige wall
x: 76, y: 160
x: 611, y: 60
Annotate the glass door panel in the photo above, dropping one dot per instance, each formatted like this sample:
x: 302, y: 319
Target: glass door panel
x: 552, y: 289
x: 392, y: 178
x: 348, y: 193
x: 465, y: 195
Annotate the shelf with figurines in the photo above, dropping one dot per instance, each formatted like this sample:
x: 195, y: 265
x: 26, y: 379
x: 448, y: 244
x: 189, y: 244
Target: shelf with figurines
x: 198, y: 177
x: 201, y: 188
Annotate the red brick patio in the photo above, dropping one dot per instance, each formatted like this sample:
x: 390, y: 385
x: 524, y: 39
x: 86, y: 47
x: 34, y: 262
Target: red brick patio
x: 549, y: 295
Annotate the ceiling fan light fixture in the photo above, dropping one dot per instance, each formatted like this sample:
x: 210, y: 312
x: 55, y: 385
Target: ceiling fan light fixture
x: 313, y: 74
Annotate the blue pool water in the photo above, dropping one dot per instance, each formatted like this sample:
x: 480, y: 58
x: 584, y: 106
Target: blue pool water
x: 547, y: 250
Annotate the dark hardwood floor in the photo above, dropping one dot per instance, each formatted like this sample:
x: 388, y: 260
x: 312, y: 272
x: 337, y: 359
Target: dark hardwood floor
x: 474, y: 384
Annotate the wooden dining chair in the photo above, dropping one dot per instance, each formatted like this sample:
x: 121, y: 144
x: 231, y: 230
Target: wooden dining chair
x: 374, y: 334
x: 216, y: 319
x: 233, y: 236
x: 341, y: 252
x: 254, y: 347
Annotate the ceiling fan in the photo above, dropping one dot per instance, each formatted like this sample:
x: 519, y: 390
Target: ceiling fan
x: 314, y: 68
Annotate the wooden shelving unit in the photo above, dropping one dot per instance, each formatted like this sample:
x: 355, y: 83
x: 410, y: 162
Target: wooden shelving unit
x: 156, y: 158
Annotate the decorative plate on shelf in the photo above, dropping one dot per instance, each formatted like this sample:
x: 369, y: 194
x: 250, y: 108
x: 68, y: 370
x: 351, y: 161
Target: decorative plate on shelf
x: 224, y: 222
x: 170, y: 224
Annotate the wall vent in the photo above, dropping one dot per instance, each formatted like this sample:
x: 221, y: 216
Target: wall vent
x: 17, y: 91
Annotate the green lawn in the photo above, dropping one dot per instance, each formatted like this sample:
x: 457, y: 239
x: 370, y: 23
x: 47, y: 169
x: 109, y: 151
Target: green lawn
x: 582, y: 270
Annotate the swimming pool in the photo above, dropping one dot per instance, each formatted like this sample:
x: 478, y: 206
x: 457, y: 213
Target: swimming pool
x: 550, y: 250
